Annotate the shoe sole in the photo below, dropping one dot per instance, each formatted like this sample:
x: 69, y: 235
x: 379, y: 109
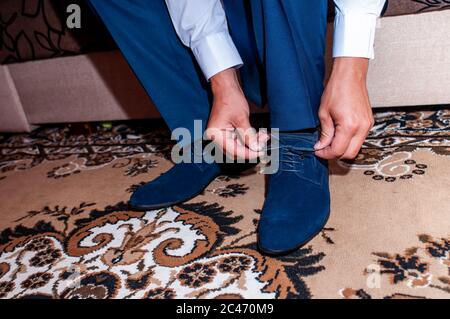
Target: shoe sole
x: 165, y: 205
x: 142, y: 208
x: 276, y: 253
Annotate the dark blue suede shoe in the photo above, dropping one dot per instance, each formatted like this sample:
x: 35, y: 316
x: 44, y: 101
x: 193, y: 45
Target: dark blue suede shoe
x: 297, y: 205
x: 181, y: 183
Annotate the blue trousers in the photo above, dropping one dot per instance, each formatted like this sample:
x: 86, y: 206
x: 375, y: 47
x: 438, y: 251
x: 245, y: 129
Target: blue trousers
x: 281, y: 42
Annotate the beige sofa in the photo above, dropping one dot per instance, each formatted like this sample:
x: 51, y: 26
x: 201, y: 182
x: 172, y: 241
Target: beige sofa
x: 412, y: 67
x: 412, y: 61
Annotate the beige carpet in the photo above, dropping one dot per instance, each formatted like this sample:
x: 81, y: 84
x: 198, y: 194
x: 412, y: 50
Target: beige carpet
x: 66, y: 232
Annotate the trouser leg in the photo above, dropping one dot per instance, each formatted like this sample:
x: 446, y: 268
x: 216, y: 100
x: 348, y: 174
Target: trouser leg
x: 166, y: 69
x: 294, y: 34
x: 240, y: 16
x: 289, y: 36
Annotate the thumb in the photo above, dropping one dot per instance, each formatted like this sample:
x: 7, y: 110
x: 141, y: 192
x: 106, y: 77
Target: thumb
x: 248, y: 134
x: 326, y: 132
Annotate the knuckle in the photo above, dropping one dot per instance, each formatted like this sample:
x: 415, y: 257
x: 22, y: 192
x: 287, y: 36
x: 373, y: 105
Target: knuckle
x: 367, y: 124
x: 241, y: 119
x: 352, y: 126
x: 323, y: 115
x: 209, y: 134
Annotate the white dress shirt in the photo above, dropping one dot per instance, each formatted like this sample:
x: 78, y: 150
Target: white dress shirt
x: 202, y: 26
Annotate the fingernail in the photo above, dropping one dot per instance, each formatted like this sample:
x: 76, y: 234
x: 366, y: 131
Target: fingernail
x: 317, y: 146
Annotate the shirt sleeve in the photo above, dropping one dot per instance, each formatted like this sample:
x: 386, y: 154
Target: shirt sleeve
x: 354, y: 27
x: 202, y: 26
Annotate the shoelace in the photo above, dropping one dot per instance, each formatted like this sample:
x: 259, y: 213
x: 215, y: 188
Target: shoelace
x: 290, y: 158
x: 303, y: 149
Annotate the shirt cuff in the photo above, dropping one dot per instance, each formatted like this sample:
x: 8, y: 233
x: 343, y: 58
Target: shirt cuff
x: 354, y: 35
x: 216, y: 53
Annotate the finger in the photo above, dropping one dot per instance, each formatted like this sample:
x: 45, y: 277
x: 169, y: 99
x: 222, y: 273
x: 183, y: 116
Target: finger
x: 339, y: 144
x: 220, y: 136
x: 230, y: 144
x: 263, y: 138
x: 247, y: 134
x: 355, y: 145
x: 250, y: 144
x: 324, y: 153
x: 235, y: 148
x: 326, y: 132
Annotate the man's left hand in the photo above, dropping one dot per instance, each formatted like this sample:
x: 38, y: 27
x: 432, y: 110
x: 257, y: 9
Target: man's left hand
x: 345, y: 112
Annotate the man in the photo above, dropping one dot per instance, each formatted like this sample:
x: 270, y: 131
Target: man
x: 277, y: 46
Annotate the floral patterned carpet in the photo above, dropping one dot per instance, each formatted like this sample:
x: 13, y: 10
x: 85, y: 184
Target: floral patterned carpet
x: 66, y: 232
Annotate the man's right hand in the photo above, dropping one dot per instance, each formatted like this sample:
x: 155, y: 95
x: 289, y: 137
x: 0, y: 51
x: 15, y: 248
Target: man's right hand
x: 229, y: 126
